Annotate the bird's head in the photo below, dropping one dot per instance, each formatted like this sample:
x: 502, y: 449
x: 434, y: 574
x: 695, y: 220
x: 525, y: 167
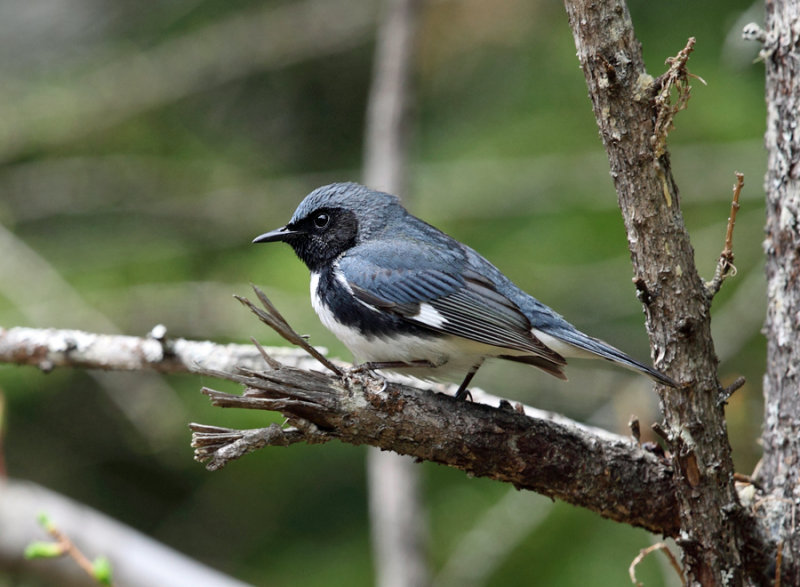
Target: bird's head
x: 333, y: 219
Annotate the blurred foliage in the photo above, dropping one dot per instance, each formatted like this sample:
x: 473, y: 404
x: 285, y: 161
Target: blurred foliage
x: 131, y: 192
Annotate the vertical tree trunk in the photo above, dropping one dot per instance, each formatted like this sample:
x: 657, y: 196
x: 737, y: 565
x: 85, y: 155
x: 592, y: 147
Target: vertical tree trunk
x: 780, y: 468
x: 397, y: 517
x: 675, y: 301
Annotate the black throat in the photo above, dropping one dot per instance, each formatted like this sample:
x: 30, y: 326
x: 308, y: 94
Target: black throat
x: 319, y: 247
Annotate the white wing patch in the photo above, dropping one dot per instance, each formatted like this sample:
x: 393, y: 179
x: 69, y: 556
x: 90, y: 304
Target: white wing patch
x: 429, y: 315
x: 339, y: 276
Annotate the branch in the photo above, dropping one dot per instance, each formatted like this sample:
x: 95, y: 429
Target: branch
x: 222, y: 445
x: 51, y: 348
x: 272, y: 318
x: 610, y: 475
x: 725, y: 264
x: 634, y: 114
x: 780, y: 466
x: 549, y: 454
x: 99, y: 570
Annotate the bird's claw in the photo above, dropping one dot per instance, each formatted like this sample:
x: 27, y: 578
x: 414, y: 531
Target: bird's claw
x: 365, y: 378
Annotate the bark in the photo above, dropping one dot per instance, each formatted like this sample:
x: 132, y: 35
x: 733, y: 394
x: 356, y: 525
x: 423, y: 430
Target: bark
x: 780, y: 466
x: 610, y: 475
x: 634, y: 115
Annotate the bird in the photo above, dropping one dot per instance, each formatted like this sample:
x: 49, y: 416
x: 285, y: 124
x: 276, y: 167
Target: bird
x: 403, y: 295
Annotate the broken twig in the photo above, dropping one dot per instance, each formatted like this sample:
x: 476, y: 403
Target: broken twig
x: 676, y: 77
x: 219, y: 445
x: 667, y: 106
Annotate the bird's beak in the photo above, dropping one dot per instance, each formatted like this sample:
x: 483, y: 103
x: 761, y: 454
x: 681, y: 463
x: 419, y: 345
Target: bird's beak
x: 279, y: 234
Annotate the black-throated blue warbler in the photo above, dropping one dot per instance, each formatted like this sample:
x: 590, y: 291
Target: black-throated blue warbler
x: 402, y: 295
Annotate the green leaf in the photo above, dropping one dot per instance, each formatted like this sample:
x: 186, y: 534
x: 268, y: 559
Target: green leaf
x: 39, y: 549
x: 102, y: 570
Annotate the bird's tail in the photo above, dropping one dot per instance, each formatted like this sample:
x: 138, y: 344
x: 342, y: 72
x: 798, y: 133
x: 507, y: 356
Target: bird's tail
x: 595, y: 346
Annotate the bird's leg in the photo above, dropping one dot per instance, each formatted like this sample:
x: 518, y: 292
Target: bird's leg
x: 463, y: 393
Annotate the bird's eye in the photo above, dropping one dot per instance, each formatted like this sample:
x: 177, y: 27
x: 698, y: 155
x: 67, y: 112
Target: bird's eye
x: 321, y: 220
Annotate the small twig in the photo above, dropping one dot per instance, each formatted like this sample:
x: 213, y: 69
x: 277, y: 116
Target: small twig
x: 737, y: 190
x: 725, y: 264
x: 99, y: 570
x: 278, y: 323
x: 219, y: 445
x: 726, y: 393
x: 749, y: 479
x: 778, y: 563
x: 646, y: 551
x: 267, y: 357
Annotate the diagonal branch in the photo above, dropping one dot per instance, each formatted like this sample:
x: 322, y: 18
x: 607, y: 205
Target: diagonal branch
x: 633, y: 116
x: 612, y: 476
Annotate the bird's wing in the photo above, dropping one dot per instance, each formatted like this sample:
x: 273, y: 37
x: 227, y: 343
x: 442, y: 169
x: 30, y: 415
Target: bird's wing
x: 462, y: 303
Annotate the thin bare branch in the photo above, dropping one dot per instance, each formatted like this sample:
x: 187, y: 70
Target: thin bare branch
x: 278, y: 323
x: 662, y: 546
x: 725, y: 264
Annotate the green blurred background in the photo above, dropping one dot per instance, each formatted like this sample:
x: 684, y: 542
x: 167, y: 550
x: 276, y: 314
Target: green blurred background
x: 142, y: 147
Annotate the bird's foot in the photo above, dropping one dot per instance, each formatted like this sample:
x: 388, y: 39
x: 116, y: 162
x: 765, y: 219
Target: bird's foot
x: 364, y: 378
x: 463, y: 394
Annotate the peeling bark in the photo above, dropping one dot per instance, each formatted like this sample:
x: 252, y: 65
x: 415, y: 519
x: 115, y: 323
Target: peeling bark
x: 780, y: 467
